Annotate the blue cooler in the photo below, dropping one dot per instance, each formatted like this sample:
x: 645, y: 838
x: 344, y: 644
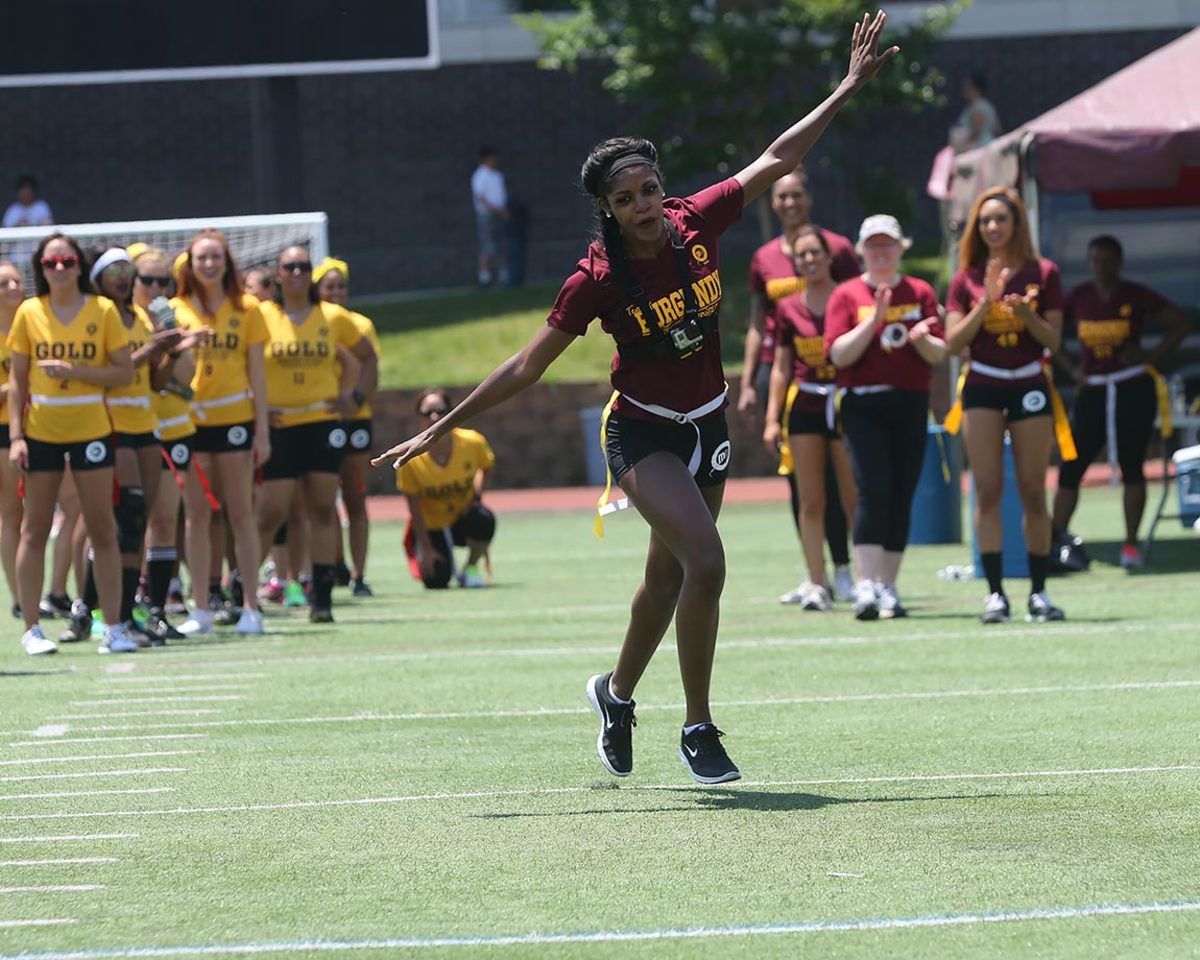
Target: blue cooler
x: 936, y: 515
x: 1187, y: 479
x: 1016, y: 558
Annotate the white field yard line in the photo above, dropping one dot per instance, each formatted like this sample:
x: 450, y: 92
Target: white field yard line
x: 112, y: 756
x: 57, y: 741
x: 71, y: 838
x: 60, y: 861
x: 141, y: 771
x: 84, y: 793
x: 107, y: 715
x: 554, y: 791
x: 124, y: 701
x: 885, y: 634
x: 368, y: 717
x: 55, y: 888
x: 182, y: 678
x: 109, y: 690
x: 786, y: 928
x: 43, y: 922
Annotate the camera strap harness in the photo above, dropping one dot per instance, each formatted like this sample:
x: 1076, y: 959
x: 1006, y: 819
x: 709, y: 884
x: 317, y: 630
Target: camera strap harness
x: 681, y: 338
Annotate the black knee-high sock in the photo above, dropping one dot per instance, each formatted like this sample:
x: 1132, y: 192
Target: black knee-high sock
x: 159, y: 563
x: 323, y: 577
x: 129, y: 586
x: 91, y: 596
x: 1039, y: 566
x: 794, y: 493
x: 993, y: 569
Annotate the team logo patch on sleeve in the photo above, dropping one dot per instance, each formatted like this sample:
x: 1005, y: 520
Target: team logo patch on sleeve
x: 95, y: 451
x: 1034, y: 401
x: 237, y: 435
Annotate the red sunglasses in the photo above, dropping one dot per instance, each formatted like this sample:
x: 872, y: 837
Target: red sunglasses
x: 67, y: 262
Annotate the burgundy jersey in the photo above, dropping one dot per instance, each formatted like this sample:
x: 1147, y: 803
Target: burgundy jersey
x: 889, y: 360
x: 677, y: 383
x: 805, y: 331
x: 1002, y: 340
x: 1105, y: 326
x: 773, y: 277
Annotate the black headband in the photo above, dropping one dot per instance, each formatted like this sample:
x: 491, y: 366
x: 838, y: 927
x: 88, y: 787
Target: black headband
x: 627, y: 162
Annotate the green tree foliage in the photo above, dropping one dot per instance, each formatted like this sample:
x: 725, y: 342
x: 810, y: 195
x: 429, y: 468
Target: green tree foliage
x: 716, y: 80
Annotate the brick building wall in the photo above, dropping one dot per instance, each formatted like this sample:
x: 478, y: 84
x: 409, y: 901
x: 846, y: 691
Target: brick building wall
x: 388, y: 156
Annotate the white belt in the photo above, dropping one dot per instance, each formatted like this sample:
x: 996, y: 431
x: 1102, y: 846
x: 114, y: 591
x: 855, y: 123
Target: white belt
x: 1000, y: 373
x: 872, y: 388
x: 46, y: 400
x: 829, y: 392
x: 690, y: 417
x: 1109, y: 381
x: 311, y: 408
x: 200, y: 406
x: 143, y: 402
x: 178, y: 421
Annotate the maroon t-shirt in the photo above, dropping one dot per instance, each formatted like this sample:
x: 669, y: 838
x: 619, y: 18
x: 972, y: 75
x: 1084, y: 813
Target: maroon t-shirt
x: 1002, y: 340
x: 678, y: 383
x: 773, y: 277
x: 805, y: 331
x: 913, y: 300
x: 1105, y: 326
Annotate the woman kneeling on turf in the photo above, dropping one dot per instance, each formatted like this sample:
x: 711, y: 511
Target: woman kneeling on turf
x: 444, y: 488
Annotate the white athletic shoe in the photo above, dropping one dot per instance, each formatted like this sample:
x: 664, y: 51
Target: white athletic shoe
x: 117, y: 640
x: 35, y: 643
x: 200, y: 621
x: 890, y: 607
x: 843, y: 584
x: 996, y: 609
x: 796, y: 595
x: 866, y: 602
x: 817, y: 598
x: 250, y: 622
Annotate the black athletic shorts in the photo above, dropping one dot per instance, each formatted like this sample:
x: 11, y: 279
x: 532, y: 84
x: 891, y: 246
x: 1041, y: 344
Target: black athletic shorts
x: 134, y: 441
x: 361, y: 434
x: 307, y: 448
x: 230, y: 438
x: 179, y: 452
x: 1016, y: 403
x: 802, y: 422
x: 82, y: 455
x: 4, y: 435
x: 627, y: 441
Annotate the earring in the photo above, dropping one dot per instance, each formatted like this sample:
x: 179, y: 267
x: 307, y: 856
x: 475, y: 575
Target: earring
x: 608, y: 214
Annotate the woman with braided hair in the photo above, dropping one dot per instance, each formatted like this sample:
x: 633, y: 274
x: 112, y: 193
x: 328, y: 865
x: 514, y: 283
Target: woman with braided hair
x: 652, y: 277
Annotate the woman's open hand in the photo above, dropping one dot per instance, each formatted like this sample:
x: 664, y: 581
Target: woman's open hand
x: 865, y: 60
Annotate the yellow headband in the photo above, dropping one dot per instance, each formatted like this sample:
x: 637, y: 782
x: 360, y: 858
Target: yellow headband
x: 329, y: 263
x: 177, y: 266
x: 135, y: 250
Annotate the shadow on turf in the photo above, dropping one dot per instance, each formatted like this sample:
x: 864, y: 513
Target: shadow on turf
x: 723, y: 798
x: 33, y: 673
x: 1166, y: 556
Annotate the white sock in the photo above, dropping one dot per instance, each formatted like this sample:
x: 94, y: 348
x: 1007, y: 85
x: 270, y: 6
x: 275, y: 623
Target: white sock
x: 694, y: 727
x: 613, y: 695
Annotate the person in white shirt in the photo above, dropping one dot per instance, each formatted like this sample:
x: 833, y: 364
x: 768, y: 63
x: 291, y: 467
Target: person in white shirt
x: 491, y: 210
x: 27, y: 210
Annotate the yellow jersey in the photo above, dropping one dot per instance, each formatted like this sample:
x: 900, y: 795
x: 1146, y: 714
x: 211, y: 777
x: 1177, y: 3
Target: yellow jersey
x: 66, y: 411
x: 129, y: 407
x: 367, y: 329
x: 222, y: 381
x: 5, y: 370
x: 301, y: 361
x: 445, y: 492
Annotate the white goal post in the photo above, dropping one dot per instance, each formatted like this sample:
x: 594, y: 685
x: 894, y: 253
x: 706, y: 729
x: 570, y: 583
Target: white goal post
x: 256, y: 240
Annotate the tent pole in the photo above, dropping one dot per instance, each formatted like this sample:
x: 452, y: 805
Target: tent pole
x: 1029, y: 190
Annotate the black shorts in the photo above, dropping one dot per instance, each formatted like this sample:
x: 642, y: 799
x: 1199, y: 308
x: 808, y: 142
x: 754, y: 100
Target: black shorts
x: 361, y: 434
x: 4, y: 435
x: 807, y: 422
x: 82, y: 454
x: 134, y: 441
x: 229, y: 438
x: 627, y: 441
x: 307, y: 448
x: 177, y: 453
x: 1016, y: 403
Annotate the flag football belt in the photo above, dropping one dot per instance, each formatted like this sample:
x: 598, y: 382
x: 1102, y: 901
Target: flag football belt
x: 46, y: 400
x: 140, y: 402
x: 1109, y: 382
x: 308, y: 408
x: 200, y: 406
x: 178, y: 421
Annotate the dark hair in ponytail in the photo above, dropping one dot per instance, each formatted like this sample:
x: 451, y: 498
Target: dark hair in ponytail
x: 594, y: 176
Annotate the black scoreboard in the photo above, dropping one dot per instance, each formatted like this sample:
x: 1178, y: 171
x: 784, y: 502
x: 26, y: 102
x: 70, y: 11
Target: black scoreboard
x: 52, y: 42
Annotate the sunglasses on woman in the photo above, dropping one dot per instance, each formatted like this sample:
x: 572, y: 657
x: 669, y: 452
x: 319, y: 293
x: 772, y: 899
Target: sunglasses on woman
x: 431, y: 411
x: 67, y: 262
x: 298, y: 266
x: 163, y: 282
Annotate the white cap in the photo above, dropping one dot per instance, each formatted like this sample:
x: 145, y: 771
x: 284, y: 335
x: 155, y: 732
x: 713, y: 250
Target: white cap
x: 107, y: 259
x: 881, y: 224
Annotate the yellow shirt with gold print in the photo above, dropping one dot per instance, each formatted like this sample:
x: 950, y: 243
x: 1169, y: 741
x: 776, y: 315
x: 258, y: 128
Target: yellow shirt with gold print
x: 129, y: 407
x: 221, y: 366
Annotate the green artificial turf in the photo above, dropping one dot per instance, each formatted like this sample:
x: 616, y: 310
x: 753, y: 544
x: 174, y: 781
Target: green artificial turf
x: 426, y: 769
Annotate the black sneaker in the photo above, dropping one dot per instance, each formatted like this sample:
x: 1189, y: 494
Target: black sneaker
x: 341, y: 574
x: 615, y: 742
x: 995, y: 609
x: 80, y: 627
x: 704, y: 756
x: 52, y: 606
x: 227, y: 615
x: 1041, y: 609
x: 320, y: 615
x: 236, y: 594
x: 158, y: 629
x: 362, y: 588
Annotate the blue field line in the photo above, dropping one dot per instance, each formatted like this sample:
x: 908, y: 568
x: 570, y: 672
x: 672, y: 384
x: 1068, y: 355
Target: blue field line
x: 620, y: 936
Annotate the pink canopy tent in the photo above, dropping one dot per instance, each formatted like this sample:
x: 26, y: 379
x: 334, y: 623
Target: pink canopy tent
x: 1139, y: 129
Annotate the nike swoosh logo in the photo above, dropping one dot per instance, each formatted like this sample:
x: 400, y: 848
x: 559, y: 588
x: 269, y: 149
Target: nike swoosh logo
x: 691, y: 753
x: 608, y: 723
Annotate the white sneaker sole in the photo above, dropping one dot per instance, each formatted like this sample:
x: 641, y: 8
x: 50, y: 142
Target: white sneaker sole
x: 989, y: 621
x: 592, y: 699
x: 734, y: 774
